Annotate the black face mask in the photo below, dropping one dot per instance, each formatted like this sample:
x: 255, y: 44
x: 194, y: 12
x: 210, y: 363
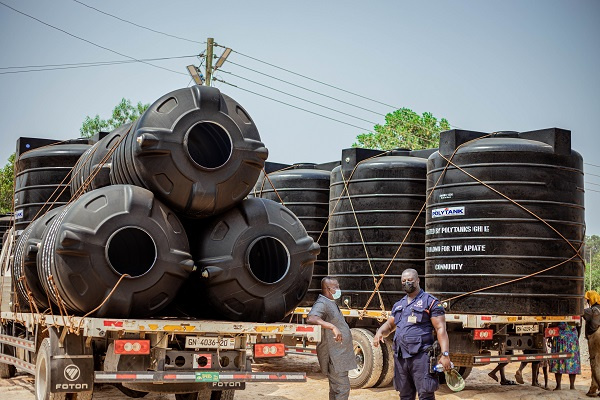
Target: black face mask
x: 409, y: 287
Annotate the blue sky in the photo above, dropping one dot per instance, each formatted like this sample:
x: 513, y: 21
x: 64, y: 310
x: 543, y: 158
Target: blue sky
x: 486, y: 66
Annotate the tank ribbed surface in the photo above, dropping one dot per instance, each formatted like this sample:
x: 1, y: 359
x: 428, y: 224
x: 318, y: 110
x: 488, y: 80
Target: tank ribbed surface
x: 304, y: 190
x: 477, y: 238
x: 386, y: 194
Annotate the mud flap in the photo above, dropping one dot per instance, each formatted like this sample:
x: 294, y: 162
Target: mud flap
x: 71, y: 365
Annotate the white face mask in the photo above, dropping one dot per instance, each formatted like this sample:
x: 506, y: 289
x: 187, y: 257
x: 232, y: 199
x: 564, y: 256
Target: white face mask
x: 337, y: 294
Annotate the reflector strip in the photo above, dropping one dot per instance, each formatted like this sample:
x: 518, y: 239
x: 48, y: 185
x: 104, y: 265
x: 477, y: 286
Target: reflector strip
x: 208, y: 376
x: 526, y: 357
x: 18, y: 363
x: 22, y: 343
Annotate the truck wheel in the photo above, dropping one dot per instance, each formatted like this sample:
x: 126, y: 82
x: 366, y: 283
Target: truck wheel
x: 368, y: 358
x: 7, y: 371
x: 387, y: 370
x: 136, y: 394
x: 222, y: 395
x: 42, y: 378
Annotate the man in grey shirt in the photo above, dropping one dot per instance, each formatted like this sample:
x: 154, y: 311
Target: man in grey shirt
x: 335, y: 351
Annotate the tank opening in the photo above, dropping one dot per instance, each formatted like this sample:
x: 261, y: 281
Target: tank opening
x: 208, y: 144
x: 268, y: 260
x: 131, y: 251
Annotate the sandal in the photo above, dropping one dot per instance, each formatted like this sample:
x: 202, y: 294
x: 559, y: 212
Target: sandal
x: 519, y: 377
x: 507, y: 382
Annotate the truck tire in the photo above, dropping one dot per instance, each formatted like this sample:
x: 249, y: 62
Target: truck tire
x: 42, y: 378
x: 369, y: 359
x: 7, y: 371
x: 387, y: 370
x: 222, y: 395
x: 135, y: 394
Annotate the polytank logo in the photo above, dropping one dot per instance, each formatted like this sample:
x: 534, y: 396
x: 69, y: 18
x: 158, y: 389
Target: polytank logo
x: 448, y: 212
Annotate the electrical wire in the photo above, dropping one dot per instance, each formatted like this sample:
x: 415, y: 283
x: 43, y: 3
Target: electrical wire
x: 293, y: 106
x: 97, y: 62
x: 88, y: 41
x: 303, y: 88
x: 89, y: 65
x: 299, y: 98
x: 312, y: 79
x: 592, y: 183
x: 593, y: 165
x: 139, y: 26
x: 589, y: 173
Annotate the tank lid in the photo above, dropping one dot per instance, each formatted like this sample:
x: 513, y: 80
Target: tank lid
x: 558, y: 139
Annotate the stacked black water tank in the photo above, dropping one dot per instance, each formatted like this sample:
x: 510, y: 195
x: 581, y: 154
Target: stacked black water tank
x: 194, y: 155
x: 304, y: 190
x: 42, y: 176
x: 505, y: 206
x: 375, y: 198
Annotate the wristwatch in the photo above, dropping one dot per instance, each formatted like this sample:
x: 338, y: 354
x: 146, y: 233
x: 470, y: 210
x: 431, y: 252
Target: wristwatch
x: 445, y: 353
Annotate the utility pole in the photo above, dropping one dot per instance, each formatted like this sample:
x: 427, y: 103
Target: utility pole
x: 209, y: 59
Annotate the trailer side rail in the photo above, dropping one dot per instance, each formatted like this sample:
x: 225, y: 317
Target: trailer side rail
x: 197, y: 377
x: 484, y: 360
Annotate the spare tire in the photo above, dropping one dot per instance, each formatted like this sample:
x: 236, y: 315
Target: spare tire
x: 105, y: 234
x: 195, y: 148
x: 254, y: 263
x: 96, y: 162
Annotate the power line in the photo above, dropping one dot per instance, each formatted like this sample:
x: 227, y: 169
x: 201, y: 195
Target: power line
x: 593, y: 165
x: 302, y: 87
x: 88, y: 41
x: 299, y: 98
x: 98, y: 62
x: 589, y: 173
x: 293, y: 106
x: 592, y: 183
x: 139, y: 26
x: 315, y: 80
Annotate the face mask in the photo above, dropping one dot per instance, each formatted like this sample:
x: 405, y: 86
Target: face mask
x: 409, y: 287
x: 337, y: 294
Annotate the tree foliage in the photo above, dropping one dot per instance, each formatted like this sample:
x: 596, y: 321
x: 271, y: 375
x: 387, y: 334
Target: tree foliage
x: 123, y: 113
x: 7, y: 174
x: 404, y: 128
x: 591, y: 255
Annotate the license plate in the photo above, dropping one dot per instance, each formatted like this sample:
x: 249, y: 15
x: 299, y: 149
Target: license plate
x: 209, y: 342
x: 528, y: 328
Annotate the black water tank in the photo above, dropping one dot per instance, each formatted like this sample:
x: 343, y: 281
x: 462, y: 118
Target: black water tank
x: 42, y: 175
x: 386, y: 194
x: 195, y: 148
x: 304, y: 190
x: 254, y: 263
x: 105, y: 234
x: 5, y: 224
x: 92, y: 170
x: 25, y: 271
x: 476, y: 238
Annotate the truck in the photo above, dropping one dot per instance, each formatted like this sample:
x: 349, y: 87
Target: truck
x: 194, y: 359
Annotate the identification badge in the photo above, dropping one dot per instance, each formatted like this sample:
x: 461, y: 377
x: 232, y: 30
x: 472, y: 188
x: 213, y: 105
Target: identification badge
x: 412, y: 319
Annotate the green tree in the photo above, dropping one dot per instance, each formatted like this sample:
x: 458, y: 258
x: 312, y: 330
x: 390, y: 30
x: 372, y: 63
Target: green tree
x: 123, y: 113
x: 7, y: 174
x: 404, y: 128
x: 591, y: 255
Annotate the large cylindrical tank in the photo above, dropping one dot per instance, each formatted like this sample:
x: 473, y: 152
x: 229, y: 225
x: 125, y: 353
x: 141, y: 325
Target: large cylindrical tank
x: 92, y: 170
x: 477, y: 238
x: 25, y: 271
x: 195, y: 149
x: 254, y: 263
x: 367, y: 226
x: 105, y: 234
x: 5, y: 223
x: 304, y: 190
x: 42, y: 175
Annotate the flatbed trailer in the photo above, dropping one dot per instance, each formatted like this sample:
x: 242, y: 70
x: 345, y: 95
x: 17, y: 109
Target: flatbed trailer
x: 192, y: 358
x: 475, y: 340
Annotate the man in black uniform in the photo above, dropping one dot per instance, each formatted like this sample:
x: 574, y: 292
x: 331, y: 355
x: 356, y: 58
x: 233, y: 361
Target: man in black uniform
x: 414, y: 318
x: 335, y: 351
